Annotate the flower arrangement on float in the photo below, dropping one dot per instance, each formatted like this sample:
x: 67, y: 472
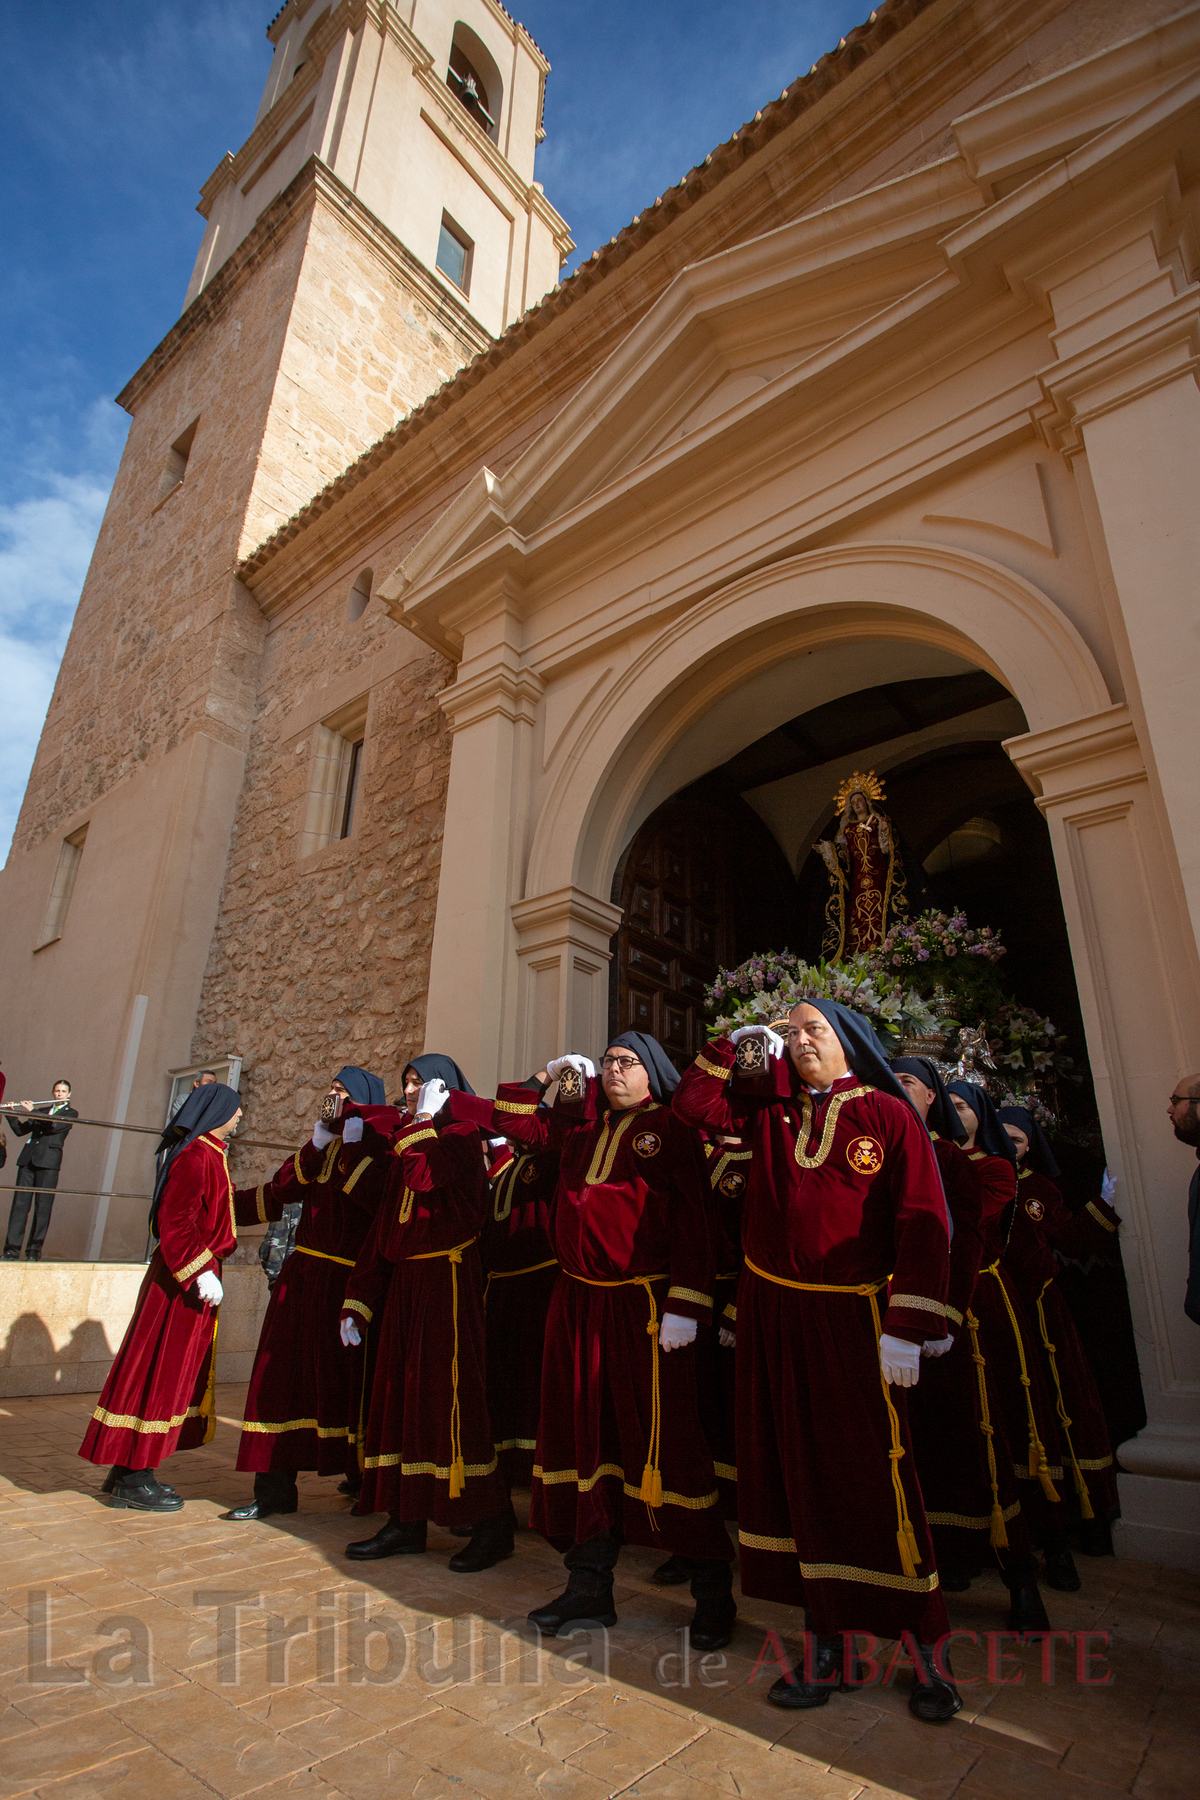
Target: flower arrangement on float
x: 931, y: 976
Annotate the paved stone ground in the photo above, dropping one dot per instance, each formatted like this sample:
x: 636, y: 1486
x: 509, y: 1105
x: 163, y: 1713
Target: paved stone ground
x: 291, y: 1704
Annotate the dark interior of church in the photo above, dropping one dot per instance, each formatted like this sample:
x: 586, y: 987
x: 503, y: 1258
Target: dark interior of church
x: 704, y: 884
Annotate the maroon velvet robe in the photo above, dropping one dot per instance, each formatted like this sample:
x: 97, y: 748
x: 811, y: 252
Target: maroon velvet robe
x: 159, y: 1394
x: 428, y: 1451
x: 619, y: 1438
x: 1091, y: 1279
x: 1009, y: 1344
x: 1088, y: 1471
x: 305, y: 1399
x: 963, y: 1458
x: 843, y: 1191
x: 520, y: 1270
x: 728, y: 1171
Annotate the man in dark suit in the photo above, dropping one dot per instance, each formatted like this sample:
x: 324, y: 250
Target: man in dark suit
x: 37, y: 1170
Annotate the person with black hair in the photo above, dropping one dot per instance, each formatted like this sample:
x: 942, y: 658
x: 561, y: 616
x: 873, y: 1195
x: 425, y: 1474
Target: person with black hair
x: 428, y: 1450
x: 1040, y: 1223
x: 964, y: 1461
x: 843, y: 1193
x: 38, y: 1167
x: 620, y: 1454
x: 159, y: 1394
x: 1007, y: 1341
x: 304, y: 1399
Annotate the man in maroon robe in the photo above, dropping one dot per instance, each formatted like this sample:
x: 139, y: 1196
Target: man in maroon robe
x: 964, y: 1460
x: 159, y: 1394
x: 303, y: 1404
x: 621, y: 1457
x: 428, y: 1450
x: 843, y: 1193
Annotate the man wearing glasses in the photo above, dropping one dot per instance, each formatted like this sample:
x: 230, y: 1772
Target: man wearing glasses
x: 1181, y: 1110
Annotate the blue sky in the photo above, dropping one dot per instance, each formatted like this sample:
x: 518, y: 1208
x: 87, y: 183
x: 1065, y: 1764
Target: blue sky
x: 117, y: 110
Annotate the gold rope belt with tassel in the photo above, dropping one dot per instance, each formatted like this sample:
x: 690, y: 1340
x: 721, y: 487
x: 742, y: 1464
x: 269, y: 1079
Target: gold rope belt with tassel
x: 999, y: 1531
x: 651, y: 1488
x: 906, y: 1537
x: 1039, y: 1467
x: 1081, y: 1486
x: 458, y: 1473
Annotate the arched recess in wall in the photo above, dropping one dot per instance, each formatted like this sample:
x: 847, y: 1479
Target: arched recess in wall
x: 658, y: 722
x: 475, y: 80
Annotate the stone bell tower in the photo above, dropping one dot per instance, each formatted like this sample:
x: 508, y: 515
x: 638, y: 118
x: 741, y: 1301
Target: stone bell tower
x: 378, y: 227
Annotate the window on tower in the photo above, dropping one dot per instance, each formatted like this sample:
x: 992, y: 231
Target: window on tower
x: 176, y: 464
x: 334, y: 770
x: 454, y: 253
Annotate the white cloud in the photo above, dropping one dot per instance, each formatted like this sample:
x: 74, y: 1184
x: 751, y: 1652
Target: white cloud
x: 45, y: 546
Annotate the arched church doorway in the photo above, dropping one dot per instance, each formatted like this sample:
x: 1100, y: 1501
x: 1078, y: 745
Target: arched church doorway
x: 724, y: 868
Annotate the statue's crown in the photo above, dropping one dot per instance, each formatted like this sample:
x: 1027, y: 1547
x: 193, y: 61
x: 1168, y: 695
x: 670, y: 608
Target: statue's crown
x: 868, y: 784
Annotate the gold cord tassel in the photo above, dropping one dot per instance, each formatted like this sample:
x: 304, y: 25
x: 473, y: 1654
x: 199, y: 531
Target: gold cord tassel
x: 1039, y: 1468
x: 458, y: 1473
x: 906, y: 1537
x: 651, y: 1491
x: 1081, y: 1486
x: 999, y: 1531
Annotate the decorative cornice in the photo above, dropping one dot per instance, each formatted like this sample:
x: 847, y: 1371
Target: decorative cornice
x: 1079, y: 760
x: 505, y: 689
x: 569, y: 915
x: 315, y: 181
x: 1160, y: 348
x: 725, y: 161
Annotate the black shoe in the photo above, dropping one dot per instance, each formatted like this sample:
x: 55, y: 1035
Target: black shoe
x: 1061, y: 1573
x: 673, y: 1573
x: 348, y: 1485
x: 262, y: 1509
x: 12, y: 1256
x: 491, y: 1541
x: 1027, y: 1610
x: 114, y: 1475
x: 828, y: 1674
x: 712, y: 1623
x: 404, y: 1539
x: 575, y: 1608
x: 33, y: 1256
x: 140, y: 1492
x: 934, y: 1698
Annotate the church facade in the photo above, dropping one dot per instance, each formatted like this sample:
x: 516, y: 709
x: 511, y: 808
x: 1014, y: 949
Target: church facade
x: 428, y: 581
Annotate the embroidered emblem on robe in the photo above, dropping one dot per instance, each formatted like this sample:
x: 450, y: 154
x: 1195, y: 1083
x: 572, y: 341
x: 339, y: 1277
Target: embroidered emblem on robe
x: 647, y: 1143
x: 529, y: 1172
x: 1035, y: 1209
x: 732, y: 1184
x: 864, y: 1155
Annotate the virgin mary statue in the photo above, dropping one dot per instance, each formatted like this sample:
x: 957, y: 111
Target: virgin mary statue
x: 866, y: 873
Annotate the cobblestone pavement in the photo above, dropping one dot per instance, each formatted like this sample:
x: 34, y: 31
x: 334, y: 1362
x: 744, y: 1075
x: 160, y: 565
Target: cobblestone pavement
x: 286, y: 1690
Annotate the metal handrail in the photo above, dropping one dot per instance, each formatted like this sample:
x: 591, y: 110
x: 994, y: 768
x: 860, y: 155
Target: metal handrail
x: 11, y: 1109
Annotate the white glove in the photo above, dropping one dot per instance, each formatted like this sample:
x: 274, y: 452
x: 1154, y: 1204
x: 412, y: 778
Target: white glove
x: 726, y: 1338
x: 676, y: 1331
x: 900, y: 1361
x: 497, y: 1143
x: 209, y: 1288
x: 1108, y: 1188
x: 433, y: 1096
x: 352, y: 1130
x: 582, y: 1064
x: 771, y: 1038
x: 350, y: 1334
x: 937, y: 1346
x: 320, y: 1137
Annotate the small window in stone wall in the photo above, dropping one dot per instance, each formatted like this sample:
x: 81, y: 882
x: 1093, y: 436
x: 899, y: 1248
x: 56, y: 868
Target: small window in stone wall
x: 69, y: 857
x: 335, y: 767
x: 454, y: 254
x: 360, y: 595
x: 176, y: 464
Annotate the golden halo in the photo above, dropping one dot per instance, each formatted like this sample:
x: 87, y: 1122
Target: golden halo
x: 858, y: 783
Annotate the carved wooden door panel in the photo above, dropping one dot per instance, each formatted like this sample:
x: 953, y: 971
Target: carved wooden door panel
x: 675, y: 889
